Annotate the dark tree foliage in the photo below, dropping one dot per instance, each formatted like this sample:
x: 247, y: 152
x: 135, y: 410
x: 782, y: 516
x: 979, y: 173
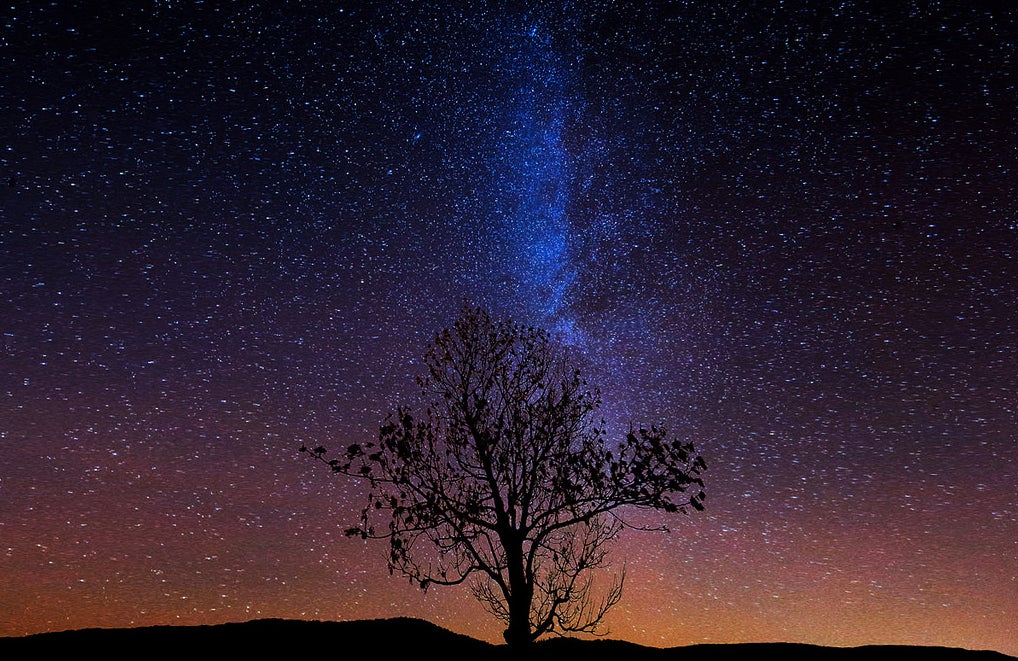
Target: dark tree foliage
x: 502, y: 479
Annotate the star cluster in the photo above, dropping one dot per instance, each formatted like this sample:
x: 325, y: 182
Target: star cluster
x: 786, y: 229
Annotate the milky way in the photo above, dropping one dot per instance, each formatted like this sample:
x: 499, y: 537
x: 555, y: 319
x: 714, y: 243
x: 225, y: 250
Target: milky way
x: 787, y: 230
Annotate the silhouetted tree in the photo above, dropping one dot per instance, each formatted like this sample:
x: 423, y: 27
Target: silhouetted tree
x: 502, y: 476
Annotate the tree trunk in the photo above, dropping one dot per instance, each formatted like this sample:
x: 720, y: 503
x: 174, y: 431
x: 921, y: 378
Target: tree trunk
x: 518, y: 635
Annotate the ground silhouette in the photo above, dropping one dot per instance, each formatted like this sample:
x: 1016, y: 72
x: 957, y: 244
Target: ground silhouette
x: 400, y: 638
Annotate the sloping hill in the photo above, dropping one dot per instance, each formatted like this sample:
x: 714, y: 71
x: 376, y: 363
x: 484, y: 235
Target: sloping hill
x: 407, y: 638
x: 595, y: 650
x: 257, y: 639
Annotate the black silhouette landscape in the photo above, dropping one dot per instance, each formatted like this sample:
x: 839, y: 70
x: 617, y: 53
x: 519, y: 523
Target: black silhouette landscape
x: 411, y: 638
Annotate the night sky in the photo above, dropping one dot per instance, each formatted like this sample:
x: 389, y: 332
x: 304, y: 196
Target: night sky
x: 788, y: 230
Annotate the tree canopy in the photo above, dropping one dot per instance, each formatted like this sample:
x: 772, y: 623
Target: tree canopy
x: 501, y: 478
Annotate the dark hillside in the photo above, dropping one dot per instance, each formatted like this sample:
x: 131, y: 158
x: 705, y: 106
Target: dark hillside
x: 406, y: 638
x: 257, y: 639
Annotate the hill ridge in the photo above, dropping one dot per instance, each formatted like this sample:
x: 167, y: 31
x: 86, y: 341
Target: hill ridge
x: 397, y: 636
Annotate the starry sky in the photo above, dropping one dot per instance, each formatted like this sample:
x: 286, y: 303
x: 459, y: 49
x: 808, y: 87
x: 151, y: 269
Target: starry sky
x: 786, y: 229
